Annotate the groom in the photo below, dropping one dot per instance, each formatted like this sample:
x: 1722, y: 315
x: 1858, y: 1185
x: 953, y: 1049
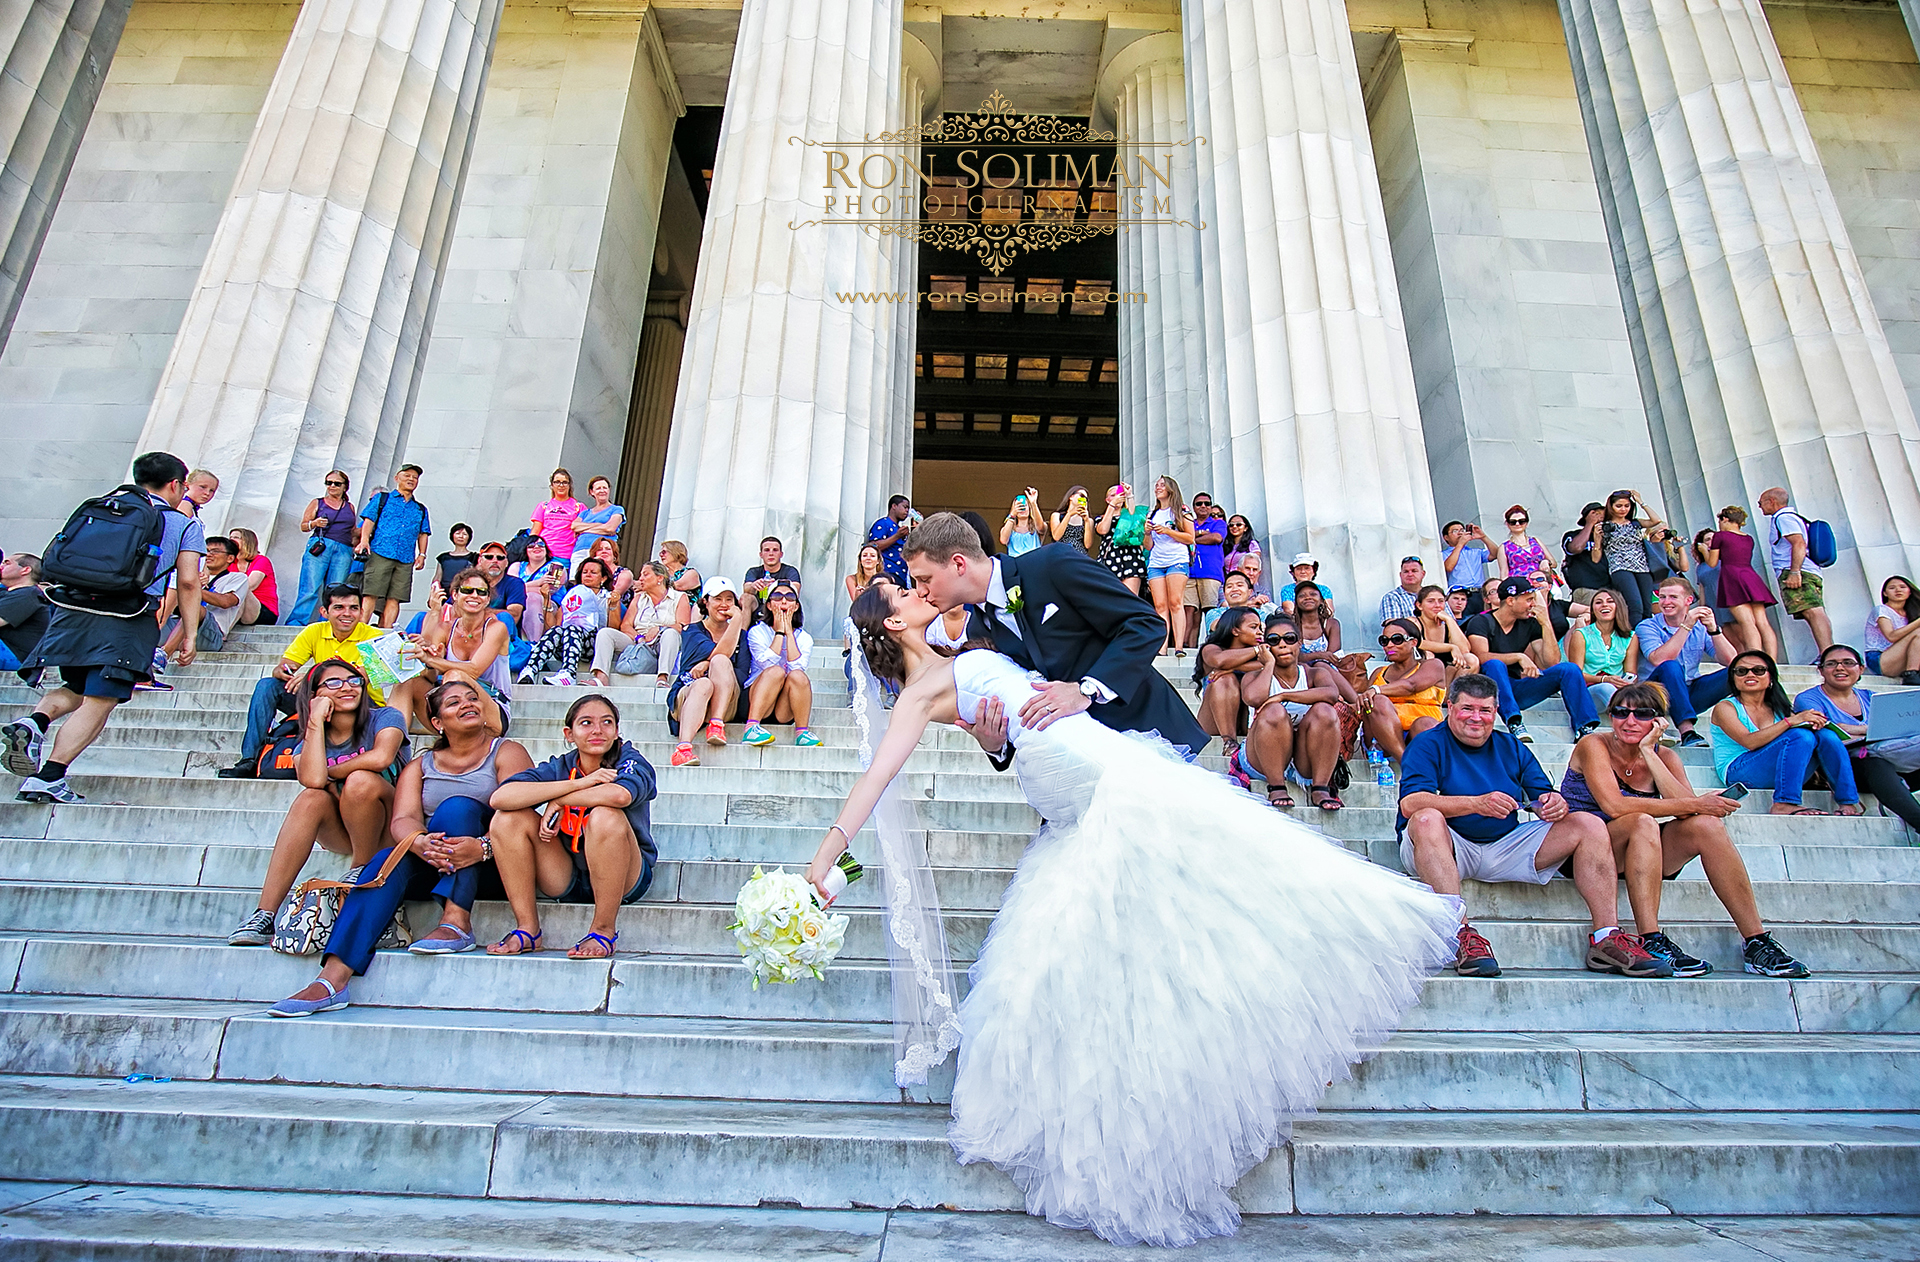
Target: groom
x: 1057, y: 611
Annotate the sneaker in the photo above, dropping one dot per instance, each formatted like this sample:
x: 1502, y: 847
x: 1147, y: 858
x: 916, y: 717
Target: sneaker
x: 22, y: 753
x: 684, y: 756
x: 1586, y: 729
x: 255, y: 930
x: 1621, y: 952
x: 716, y: 732
x: 156, y: 684
x: 1689, y: 740
x: 561, y: 679
x: 291, y: 1007
x: 1476, y: 955
x: 805, y: 738
x: 58, y: 792
x: 1661, y: 947
x: 1764, y: 956
x: 1517, y: 728
x: 1910, y: 678
x: 242, y: 770
x: 754, y: 735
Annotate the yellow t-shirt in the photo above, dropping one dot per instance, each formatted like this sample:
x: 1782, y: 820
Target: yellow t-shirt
x: 316, y: 644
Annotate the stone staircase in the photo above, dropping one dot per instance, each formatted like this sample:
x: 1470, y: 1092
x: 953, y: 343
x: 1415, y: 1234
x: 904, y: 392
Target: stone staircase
x: 661, y: 1077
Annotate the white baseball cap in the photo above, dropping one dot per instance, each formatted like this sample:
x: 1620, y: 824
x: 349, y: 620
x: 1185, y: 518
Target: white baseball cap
x: 1304, y: 558
x: 717, y: 584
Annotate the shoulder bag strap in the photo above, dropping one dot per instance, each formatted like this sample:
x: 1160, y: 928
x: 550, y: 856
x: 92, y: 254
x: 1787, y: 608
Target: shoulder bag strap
x: 394, y: 856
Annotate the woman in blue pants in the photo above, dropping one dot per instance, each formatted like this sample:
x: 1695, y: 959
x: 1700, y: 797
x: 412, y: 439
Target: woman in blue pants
x: 440, y: 814
x: 1759, y: 741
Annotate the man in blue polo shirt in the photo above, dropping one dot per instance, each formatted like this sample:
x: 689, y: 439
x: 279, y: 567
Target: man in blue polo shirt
x: 1673, y: 644
x: 1462, y: 786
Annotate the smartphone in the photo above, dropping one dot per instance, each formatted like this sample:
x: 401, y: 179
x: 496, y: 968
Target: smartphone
x: 1735, y: 791
x: 551, y: 821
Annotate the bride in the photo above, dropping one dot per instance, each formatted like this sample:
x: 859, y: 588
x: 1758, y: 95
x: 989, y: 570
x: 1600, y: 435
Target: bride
x: 1175, y: 972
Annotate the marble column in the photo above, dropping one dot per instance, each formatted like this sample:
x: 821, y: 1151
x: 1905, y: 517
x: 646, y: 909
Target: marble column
x: 302, y: 344
x: 1910, y: 10
x: 785, y: 400
x: 663, y: 337
x: 920, y: 84
x: 57, y: 52
x: 1762, y: 361
x: 1163, y: 397
x: 1313, y: 421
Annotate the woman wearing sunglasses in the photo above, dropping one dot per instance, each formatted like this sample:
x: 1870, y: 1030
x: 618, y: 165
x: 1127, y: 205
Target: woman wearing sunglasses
x: 1405, y: 697
x: 1524, y: 555
x: 777, y: 683
x: 465, y: 636
x: 1226, y: 656
x: 328, y: 559
x: 351, y: 753
x: 1759, y: 740
x: 1294, y: 720
x: 1658, y: 824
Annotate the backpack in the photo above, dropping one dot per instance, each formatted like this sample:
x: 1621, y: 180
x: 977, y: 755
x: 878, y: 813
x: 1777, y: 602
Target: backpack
x: 279, y: 755
x: 517, y: 546
x: 108, y: 554
x: 1822, y: 548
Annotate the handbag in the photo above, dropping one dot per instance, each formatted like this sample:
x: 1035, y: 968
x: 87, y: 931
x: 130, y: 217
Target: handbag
x: 305, y: 920
x: 317, y: 548
x: 363, y: 555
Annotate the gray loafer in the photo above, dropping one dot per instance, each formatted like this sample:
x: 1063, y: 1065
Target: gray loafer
x: 291, y: 1007
x: 445, y: 946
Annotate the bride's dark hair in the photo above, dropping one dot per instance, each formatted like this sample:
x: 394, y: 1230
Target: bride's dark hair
x: 870, y: 611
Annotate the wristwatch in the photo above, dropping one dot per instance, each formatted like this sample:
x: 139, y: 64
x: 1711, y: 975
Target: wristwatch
x: 1089, y: 690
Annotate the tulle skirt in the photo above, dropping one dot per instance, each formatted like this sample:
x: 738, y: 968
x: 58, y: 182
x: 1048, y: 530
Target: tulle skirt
x: 1175, y: 973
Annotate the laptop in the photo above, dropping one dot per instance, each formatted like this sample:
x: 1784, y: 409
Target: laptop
x: 1895, y: 715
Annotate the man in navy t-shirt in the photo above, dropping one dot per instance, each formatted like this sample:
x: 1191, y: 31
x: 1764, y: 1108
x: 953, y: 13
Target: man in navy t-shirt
x: 887, y: 534
x: 1462, y: 786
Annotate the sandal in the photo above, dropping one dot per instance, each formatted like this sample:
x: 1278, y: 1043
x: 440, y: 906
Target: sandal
x: 532, y: 942
x: 1850, y: 810
x: 1807, y: 810
x: 602, y: 939
x: 1329, y: 802
x: 1278, y: 797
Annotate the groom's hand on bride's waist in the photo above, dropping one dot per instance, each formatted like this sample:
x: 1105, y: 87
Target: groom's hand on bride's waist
x: 1052, y: 701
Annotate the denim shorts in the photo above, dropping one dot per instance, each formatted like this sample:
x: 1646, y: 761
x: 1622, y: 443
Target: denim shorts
x: 1167, y: 571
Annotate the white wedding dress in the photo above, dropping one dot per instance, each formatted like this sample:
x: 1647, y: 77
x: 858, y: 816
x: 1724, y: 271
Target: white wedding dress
x: 1176, y: 972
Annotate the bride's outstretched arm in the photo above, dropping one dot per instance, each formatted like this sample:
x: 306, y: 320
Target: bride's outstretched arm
x: 911, y: 713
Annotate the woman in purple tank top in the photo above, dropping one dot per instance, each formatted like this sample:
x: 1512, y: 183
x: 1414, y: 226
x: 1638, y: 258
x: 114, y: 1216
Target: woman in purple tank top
x: 328, y: 558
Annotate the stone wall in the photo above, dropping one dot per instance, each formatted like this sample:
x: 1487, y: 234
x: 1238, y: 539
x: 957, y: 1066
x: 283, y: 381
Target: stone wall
x: 125, y: 248
x: 1858, y: 80
x: 532, y: 359
x: 1520, y: 350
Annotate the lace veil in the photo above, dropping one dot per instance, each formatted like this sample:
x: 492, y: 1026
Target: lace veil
x: 926, y: 1024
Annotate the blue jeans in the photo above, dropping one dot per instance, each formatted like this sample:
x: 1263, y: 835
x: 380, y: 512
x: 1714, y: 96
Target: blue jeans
x: 1518, y: 692
x: 1781, y: 765
x: 365, y: 914
x: 1687, y: 698
x: 270, y: 700
x: 317, y: 573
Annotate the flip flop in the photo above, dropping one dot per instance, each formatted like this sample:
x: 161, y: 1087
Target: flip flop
x: 602, y: 939
x: 532, y: 943
x: 1807, y: 810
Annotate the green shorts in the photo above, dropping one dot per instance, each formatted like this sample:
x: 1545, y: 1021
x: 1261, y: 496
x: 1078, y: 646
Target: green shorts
x: 1809, y: 595
x: 387, y: 579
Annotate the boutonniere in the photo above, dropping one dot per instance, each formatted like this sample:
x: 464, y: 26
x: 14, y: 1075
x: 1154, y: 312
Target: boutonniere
x: 1015, y: 601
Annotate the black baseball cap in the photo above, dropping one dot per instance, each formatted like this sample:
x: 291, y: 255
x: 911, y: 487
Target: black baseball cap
x: 1515, y: 587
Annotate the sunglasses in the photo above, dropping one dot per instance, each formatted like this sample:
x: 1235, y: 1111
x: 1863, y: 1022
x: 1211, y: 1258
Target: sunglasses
x: 1396, y: 639
x: 784, y: 596
x: 1749, y: 670
x: 474, y: 591
x: 1634, y: 712
x: 340, y: 681
x: 335, y: 482
x: 493, y: 556
x: 1283, y: 639
x: 1518, y: 521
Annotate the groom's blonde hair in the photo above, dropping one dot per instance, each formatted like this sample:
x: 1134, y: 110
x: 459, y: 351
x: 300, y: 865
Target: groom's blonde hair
x: 943, y: 537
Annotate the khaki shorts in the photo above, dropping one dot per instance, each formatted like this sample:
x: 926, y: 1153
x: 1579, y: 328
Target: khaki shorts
x: 1811, y: 594
x: 1512, y: 858
x: 1201, y: 593
x: 387, y: 579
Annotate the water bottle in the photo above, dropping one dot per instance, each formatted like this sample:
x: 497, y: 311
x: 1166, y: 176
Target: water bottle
x: 1382, y: 767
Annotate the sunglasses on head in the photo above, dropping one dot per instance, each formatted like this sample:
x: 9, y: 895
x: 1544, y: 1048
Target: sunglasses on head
x: 1396, y: 639
x: 1634, y: 712
x: 1748, y: 670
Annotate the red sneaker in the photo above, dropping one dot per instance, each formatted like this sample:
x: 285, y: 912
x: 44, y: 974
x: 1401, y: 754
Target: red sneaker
x: 716, y: 732
x: 1476, y: 955
x: 1622, y: 953
x: 683, y: 755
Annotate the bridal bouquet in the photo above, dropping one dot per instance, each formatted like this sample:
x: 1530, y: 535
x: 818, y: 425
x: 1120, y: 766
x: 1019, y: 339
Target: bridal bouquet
x: 781, y: 929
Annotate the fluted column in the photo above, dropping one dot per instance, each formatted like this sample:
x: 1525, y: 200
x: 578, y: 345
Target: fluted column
x: 920, y: 84
x: 302, y: 344
x: 662, y: 339
x: 782, y: 419
x: 1762, y: 360
x: 57, y: 52
x: 1313, y: 418
x: 1163, y: 393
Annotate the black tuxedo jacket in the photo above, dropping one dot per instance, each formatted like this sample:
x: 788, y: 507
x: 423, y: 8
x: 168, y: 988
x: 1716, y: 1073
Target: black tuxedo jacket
x: 1076, y: 619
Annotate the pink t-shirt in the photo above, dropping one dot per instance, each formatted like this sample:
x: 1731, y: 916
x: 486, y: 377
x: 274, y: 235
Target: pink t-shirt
x: 553, y: 521
x: 268, y: 593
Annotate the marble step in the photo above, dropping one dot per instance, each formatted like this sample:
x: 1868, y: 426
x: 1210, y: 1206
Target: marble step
x: 660, y: 984
x: 1528, y: 927
x: 691, y: 1057
x: 529, y: 1146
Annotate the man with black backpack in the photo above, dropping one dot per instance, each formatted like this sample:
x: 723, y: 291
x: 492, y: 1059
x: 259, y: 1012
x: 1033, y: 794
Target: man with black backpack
x: 105, y: 573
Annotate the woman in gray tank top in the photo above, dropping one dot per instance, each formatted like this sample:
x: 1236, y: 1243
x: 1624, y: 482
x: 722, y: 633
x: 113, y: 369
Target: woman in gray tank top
x: 440, y: 815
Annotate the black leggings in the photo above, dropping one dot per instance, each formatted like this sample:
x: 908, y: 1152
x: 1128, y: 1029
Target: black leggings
x: 1637, y: 587
x: 1893, y: 790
